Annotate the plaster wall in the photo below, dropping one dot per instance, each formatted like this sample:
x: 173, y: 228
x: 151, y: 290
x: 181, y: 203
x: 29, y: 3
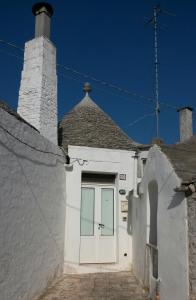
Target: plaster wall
x: 191, y: 205
x: 32, y: 210
x: 100, y: 161
x: 38, y: 89
x: 171, y: 228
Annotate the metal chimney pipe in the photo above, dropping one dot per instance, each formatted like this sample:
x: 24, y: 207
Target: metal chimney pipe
x: 43, y: 12
x: 186, y: 123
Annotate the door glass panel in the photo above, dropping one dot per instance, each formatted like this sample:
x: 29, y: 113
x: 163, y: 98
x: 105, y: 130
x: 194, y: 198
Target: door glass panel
x: 87, y: 211
x: 107, y: 211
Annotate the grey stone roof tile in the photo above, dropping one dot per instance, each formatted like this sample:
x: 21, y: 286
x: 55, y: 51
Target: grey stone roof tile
x: 88, y: 125
x: 183, y: 158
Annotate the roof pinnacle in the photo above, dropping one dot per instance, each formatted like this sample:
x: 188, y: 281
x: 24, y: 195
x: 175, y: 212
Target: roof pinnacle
x: 87, y: 88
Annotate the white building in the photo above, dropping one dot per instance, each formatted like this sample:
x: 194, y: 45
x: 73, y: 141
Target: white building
x: 99, y: 180
x: 106, y: 204
x: 163, y: 222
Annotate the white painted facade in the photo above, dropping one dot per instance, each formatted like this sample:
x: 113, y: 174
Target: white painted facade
x: 32, y: 210
x: 40, y: 214
x: 172, y: 239
x: 103, y: 161
x: 38, y: 89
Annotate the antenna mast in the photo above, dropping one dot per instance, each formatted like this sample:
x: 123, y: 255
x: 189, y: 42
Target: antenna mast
x: 154, y: 20
x: 157, y: 10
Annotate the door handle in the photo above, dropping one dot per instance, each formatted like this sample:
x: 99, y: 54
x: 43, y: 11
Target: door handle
x: 101, y: 226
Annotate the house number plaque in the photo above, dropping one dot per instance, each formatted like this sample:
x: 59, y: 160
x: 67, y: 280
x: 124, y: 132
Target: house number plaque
x: 122, y: 176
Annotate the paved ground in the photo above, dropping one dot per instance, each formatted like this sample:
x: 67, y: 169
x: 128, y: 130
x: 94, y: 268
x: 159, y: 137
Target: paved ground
x: 99, y: 286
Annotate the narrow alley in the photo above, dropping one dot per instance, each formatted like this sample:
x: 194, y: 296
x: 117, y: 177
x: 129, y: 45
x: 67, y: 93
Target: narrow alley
x: 99, y: 286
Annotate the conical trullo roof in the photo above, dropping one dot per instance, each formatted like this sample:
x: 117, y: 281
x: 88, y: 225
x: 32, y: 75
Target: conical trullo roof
x: 88, y: 125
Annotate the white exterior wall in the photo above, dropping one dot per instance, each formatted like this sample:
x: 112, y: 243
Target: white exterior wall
x: 171, y: 228
x: 38, y: 89
x: 100, y: 161
x: 32, y: 211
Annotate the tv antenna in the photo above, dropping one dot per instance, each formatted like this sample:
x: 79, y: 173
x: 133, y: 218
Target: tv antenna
x: 154, y: 20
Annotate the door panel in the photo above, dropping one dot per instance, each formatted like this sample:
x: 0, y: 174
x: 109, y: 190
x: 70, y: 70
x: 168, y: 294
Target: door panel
x: 107, y: 250
x: 88, y: 250
x: 87, y: 212
x: 107, y: 211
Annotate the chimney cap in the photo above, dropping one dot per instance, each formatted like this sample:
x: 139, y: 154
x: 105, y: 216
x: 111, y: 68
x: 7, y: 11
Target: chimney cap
x: 37, y: 6
x: 185, y: 107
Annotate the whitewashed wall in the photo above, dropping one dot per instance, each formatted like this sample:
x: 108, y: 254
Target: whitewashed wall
x: 38, y: 88
x: 102, y: 161
x: 171, y: 228
x: 32, y: 211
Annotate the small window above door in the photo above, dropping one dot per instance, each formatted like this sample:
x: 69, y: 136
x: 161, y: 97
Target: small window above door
x: 98, y: 178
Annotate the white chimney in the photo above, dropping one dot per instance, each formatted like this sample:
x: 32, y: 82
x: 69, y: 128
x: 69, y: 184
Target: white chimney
x: 38, y: 88
x: 186, y: 123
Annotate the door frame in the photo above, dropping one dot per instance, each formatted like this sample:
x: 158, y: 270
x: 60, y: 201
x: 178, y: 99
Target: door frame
x: 115, y: 216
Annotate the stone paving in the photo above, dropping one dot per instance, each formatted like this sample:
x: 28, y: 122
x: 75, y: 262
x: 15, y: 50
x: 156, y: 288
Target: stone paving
x: 99, y: 286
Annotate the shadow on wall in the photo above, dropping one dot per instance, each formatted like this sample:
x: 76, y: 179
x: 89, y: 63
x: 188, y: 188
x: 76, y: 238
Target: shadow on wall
x: 37, y: 159
x: 153, y: 201
x: 152, y: 235
x: 29, y: 214
x: 60, y: 135
x: 176, y: 200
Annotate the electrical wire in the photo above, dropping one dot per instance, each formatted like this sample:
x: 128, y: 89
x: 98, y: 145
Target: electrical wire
x: 81, y: 161
x: 106, y: 84
x: 79, y: 80
x: 141, y: 118
x: 29, y: 186
x: 93, y: 160
x: 11, y: 54
x: 99, y: 81
x: 85, y: 76
x: 101, y: 89
x: 11, y: 44
x: 30, y: 146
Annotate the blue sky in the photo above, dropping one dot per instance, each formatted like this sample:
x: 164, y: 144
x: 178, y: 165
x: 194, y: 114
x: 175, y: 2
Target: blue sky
x: 109, y: 40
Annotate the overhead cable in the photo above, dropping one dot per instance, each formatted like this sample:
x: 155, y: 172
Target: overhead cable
x: 28, y: 145
x: 141, y: 118
x: 98, y: 81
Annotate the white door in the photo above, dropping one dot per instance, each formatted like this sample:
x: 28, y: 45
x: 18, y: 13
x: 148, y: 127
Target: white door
x: 97, y: 224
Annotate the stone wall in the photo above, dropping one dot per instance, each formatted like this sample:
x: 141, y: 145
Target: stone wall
x: 32, y: 210
x: 191, y: 203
